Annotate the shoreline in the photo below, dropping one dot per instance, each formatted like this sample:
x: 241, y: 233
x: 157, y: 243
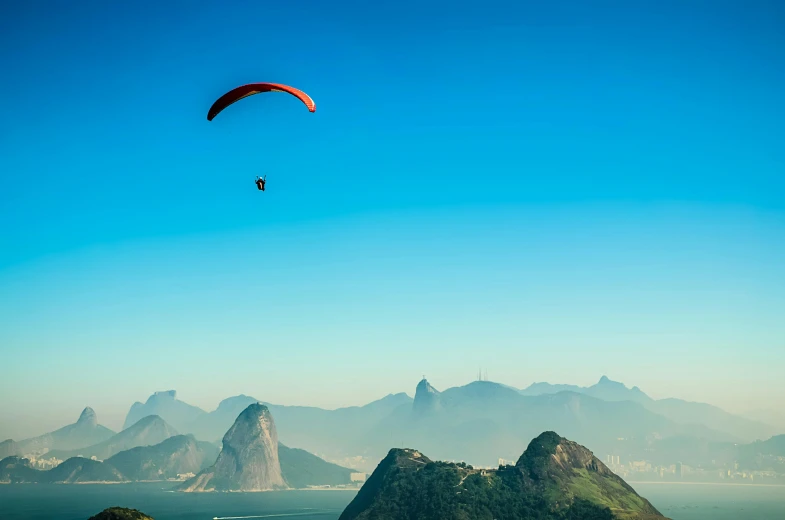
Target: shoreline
x: 102, y: 483
x: 735, y: 484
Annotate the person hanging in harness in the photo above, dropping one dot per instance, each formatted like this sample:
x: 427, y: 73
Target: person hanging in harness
x: 260, y: 182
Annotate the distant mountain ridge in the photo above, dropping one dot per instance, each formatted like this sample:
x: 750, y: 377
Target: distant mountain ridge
x: 484, y: 421
x: 210, y: 426
x: 180, y: 454
x: 165, y: 404
x: 84, y: 432
x: 148, y: 431
x: 678, y: 410
x: 481, y: 421
x: 176, y: 455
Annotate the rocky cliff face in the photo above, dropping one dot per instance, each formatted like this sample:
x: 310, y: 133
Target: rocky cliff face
x: 249, y: 458
x: 426, y: 398
x: 563, y: 468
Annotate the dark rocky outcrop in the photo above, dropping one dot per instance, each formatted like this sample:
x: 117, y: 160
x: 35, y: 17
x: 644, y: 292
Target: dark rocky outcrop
x: 120, y: 513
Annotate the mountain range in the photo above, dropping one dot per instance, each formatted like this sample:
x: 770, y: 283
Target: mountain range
x: 149, y: 430
x: 481, y: 421
x: 741, y: 428
x: 178, y: 455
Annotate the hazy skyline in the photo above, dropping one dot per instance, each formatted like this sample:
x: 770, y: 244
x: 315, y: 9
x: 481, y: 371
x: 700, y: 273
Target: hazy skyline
x: 553, y: 193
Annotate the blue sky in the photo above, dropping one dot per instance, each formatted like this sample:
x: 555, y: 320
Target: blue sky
x: 551, y: 192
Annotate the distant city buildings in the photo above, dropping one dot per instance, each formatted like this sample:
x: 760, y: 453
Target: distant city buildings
x: 43, y: 464
x: 643, y: 470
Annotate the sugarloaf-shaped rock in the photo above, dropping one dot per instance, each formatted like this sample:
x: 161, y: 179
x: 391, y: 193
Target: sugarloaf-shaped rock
x: 249, y: 458
x: 554, y: 479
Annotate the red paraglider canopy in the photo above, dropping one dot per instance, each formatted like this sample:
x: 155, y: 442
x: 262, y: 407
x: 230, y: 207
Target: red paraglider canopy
x: 244, y: 91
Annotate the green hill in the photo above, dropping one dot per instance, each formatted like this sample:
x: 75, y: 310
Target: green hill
x: 555, y: 479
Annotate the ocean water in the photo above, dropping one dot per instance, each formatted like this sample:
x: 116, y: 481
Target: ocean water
x: 79, y: 502
x: 715, y: 501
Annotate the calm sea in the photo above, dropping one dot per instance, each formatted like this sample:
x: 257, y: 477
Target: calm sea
x: 79, y: 502
x: 715, y: 502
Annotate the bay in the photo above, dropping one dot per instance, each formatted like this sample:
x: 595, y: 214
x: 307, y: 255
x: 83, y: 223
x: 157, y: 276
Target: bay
x: 79, y: 502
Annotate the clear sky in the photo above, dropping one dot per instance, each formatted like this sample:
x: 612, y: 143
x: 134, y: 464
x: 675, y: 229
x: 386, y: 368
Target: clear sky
x: 553, y: 191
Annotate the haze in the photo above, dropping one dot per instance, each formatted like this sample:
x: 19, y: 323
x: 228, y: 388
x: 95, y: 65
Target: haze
x: 503, y: 188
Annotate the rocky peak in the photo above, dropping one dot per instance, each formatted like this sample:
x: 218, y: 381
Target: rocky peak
x: 164, y: 395
x: 426, y: 397
x: 249, y: 458
x: 88, y: 417
x: 608, y: 389
x: 548, y: 454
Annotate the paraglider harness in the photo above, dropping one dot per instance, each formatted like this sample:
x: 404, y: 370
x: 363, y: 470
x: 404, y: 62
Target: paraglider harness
x: 260, y: 182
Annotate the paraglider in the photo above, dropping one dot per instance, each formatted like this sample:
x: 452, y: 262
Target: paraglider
x: 244, y: 91
x: 250, y: 89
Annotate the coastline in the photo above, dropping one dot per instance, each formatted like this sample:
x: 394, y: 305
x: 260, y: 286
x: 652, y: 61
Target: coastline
x: 734, y: 484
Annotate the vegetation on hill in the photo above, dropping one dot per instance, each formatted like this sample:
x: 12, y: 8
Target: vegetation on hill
x: 555, y: 479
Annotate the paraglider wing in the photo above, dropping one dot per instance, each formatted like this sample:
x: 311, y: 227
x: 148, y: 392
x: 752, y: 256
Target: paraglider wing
x: 244, y: 91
